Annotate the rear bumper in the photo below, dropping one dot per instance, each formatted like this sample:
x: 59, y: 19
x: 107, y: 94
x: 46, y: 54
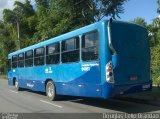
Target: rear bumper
x: 113, y: 90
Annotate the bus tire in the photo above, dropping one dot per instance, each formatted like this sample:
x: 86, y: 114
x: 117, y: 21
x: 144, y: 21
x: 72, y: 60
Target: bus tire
x: 50, y: 90
x: 16, y: 87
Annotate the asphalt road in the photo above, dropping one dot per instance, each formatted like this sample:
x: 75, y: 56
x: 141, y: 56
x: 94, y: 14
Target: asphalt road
x: 27, y: 101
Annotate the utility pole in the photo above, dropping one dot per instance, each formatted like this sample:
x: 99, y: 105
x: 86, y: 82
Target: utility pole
x: 19, y: 45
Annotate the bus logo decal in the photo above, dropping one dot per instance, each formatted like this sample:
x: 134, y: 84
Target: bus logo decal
x: 30, y: 85
x: 48, y: 70
x: 90, y: 65
x: 87, y: 67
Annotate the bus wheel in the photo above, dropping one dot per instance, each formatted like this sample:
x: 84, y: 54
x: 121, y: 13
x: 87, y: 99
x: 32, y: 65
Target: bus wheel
x: 16, y: 85
x: 50, y: 91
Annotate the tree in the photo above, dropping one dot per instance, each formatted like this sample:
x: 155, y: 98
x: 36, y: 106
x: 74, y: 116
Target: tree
x: 154, y: 29
x: 7, y: 45
x: 108, y: 8
x: 140, y: 21
x: 20, y: 19
x: 56, y: 17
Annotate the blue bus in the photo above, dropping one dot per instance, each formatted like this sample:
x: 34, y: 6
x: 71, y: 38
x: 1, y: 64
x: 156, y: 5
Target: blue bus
x: 101, y: 60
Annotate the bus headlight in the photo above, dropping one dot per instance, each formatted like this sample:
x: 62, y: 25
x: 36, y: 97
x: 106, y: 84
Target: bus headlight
x: 109, y: 72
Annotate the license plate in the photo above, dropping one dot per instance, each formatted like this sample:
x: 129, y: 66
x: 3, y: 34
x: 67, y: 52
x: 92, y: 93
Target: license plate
x: 133, y: 78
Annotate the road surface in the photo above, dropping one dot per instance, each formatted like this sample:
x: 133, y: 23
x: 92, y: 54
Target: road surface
x: 27, y: 101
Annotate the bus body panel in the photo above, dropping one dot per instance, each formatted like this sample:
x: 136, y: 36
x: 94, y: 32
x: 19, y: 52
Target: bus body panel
x: 79, y: 79
x: 69, y: 79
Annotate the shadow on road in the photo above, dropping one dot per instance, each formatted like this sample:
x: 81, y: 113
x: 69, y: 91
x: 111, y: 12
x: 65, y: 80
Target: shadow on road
x: 115, y: 104
x: 112, y: 104
x: 118, y: 105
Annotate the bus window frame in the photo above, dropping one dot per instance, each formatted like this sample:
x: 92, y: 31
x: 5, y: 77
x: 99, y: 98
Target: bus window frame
x: 35, y: 57
x: 62, y: 51
x: 98, y: 46
x: 47, y: 54
x: 28, y: 58
x: 15, y: 61
x: 21, y: 60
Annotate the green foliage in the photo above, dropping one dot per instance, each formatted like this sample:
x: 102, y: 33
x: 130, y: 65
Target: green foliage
x: 155, y: 51
x: 7, y: 44
x: 140, y: 21
x: 108, y: 8
x: 155, y: 63
x: 154, y: 34
x: 22, y: 15
x: 154, y: 29
x: 61, y: 16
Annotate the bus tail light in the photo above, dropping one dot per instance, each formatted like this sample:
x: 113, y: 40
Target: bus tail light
x: 109, y: 72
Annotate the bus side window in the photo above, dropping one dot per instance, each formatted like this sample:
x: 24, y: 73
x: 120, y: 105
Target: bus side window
x: 29, y: 58
x: 39, y: 56
x: 21, y: 60
x: 53, y: 53
x: 70, y: 50
x: 90, y: 46
x: 14, y: 61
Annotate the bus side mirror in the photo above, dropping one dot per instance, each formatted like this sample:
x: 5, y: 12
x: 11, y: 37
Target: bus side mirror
x: 115, y: 60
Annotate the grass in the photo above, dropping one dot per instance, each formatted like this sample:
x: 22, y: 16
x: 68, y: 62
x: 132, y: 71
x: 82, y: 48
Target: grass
x: 3, y: 77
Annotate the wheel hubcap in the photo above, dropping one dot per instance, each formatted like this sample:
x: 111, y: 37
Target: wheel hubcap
x: 50, y: 90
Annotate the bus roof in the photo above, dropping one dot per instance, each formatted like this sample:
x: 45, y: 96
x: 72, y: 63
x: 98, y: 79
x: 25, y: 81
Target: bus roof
x: 68, y: 35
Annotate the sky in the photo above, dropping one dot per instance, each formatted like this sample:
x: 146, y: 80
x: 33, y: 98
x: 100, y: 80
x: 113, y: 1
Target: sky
x: 140, y: 8
x: 133, y: 8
